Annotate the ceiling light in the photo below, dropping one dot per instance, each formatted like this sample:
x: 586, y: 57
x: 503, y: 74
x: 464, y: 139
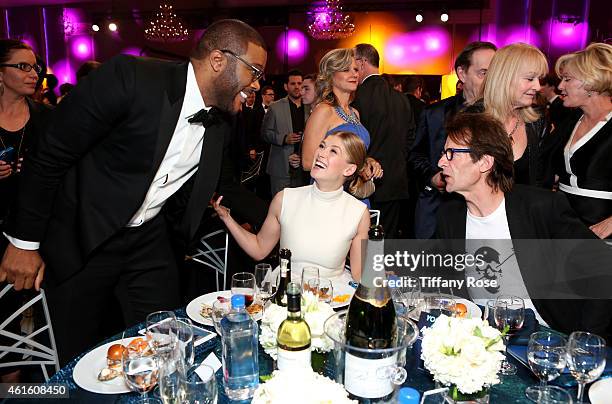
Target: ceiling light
x: 95, y: 27
x: 112, y: 27
x: 419, y: 17
x: 444, y: 17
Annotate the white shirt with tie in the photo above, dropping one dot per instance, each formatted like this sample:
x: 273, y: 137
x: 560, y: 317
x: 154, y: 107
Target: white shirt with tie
x: 179, y: 164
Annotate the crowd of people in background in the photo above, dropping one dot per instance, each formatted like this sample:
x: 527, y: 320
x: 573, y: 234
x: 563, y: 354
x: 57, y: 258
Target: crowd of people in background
x: 114, y: 175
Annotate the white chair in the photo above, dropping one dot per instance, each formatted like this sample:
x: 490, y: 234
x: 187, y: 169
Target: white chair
x: 31, y: 351
x: 254, y: 170
x: 374, y: 217
x: 212, y: 253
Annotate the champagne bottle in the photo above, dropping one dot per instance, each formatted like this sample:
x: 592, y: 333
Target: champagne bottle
x: 293, y: 337
x: 370, y: 324
x: 280, y: 297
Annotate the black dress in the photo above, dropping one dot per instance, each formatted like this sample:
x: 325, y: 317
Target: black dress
x: 585, y: 169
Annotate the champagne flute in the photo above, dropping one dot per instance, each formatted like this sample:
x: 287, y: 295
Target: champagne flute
x: 586, y: 358
x: 162, y: 332
x: 169, y: 376
x: 140, y: 369
x: 546, y: 355
x: 243, y: 283
x: 509, y: 313
x: 184, y: 337
x: 265, y: 282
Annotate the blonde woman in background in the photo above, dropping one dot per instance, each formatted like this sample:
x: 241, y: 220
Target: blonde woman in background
x: 508, y: 93
x: 584, y: 156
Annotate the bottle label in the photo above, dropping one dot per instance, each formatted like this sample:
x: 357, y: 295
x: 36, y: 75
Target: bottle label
x: 369, y: 378
x: 288, y: 360
x: 284, y: 264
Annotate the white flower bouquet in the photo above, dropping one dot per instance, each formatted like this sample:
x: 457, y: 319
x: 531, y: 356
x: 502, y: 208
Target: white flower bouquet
x: 300, y: 386
x: 464, y: 352
x: 315, y: 313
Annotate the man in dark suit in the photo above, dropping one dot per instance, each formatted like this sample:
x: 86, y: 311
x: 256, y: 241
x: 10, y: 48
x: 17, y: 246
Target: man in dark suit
x: 386, y: 114
x: 471, y: 66
x: 129, y: 163
x: 556, y: 112
x: 414, y: 87
x: 491, y: 212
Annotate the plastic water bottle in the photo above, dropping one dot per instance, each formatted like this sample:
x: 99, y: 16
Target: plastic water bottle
x: 408, y: 395
x: 240, y: 365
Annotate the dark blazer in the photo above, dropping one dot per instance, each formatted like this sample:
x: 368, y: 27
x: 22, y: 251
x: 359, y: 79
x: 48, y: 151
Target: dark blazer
x: 423, y: 159
x: 386, y: 114
x: 592, y: 164
x: 557, y: 113
x: 93, y: 166
x: 534, y: 213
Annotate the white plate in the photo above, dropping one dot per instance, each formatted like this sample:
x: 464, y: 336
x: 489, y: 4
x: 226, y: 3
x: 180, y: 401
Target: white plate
x: 85, y: 373
x: 194, y: 307
x: 342, y: 288
x: 601, y: 392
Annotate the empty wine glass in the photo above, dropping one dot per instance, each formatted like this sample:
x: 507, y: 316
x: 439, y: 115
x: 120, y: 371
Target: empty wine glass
x: 586, y: 358
x: 307, y: 274
x: 243, y: 283
x: 198, y: 385
x: 509, y: 314
x: 554, y: 395
x: 546, y: 355
x: 161, y: 332
x: 140, y: 369
x: 406, y: 297
x: 219, y: 309
x: 265, y: 282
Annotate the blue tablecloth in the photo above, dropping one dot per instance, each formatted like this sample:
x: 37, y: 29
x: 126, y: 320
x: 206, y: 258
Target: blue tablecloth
x: 511, y: 390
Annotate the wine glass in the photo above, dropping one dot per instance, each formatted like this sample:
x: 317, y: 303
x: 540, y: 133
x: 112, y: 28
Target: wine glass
x: 546, y: 354
x: 554, y: 395
x: 161, y: 332
x: 509, y: 314
x: 198, y: 385
x: 407, y: 297
x: 326, y: 290
x: 586, y: 358
x: 220, y: 308
x: 307, y: 274
x: 265, y: 282
x: 140, y: 369
x: 243, y: 283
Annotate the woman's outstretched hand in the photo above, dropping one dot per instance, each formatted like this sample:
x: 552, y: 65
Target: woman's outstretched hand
x: 222, y: 211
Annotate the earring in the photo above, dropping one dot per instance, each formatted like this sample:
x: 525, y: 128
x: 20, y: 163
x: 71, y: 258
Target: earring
x: 589, y: 93
x: 1, y: 88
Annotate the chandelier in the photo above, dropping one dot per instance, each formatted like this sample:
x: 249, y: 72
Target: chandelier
x: 166, y: 26
x: 329, y: 22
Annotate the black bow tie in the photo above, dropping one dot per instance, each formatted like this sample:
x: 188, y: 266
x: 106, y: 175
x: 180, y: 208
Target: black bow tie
x: 206, y: 118
x: 266, y: 107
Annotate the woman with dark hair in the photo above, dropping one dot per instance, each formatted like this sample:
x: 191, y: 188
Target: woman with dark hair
x: 21, y: 119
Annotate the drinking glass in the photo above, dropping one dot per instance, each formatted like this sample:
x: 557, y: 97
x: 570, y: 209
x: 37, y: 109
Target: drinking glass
x: 161, y: 332
x: 169, y: 376
x: 185, y: 340
x: 198, y: 385
x: 265, y: 282
x: 219, y: 309
x: 307, y: 274
x: 440, y: 303
x: 243, y: 283
x: 407, y: 297
x: 554, y: 395
x: 140, y: 369
x: 326, y: 290
x: 509, y: 312
x: 586, y: 358
x: 546, y: 354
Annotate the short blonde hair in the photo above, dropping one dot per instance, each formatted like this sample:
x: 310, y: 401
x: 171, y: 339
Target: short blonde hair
x: 593, y: 65
x: 502, y: 77
x: 336, y: 60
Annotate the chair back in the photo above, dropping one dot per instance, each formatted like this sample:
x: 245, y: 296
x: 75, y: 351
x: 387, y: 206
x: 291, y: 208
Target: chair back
x: 212, y: 253
x: 29, y: 348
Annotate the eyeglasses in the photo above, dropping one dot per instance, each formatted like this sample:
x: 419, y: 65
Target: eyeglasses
x: 256, y: 72
x: 269, y: 94
x: 24, y: 67
x: 450, y: 152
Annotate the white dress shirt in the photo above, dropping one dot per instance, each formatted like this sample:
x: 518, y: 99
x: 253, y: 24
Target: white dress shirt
x: 179, y: 164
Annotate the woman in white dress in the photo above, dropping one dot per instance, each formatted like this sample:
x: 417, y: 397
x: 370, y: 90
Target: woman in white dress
x: 319, y: 223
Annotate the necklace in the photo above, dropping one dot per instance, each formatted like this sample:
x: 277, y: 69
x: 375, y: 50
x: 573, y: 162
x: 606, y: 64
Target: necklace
x: 20, y: 140
x: 513, y: 130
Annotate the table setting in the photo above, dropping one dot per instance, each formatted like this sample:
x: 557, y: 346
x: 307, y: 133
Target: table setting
x: 178, y: 354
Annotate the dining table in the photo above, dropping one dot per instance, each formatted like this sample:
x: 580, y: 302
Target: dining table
x: 510, y: 390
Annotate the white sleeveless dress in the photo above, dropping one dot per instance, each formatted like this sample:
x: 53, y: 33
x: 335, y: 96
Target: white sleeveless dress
x: 318, y: 228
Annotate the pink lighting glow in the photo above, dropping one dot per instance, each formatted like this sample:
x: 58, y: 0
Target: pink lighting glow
x: 294, y: 43
x: 406, y: 49
x: 82, y: 47
x: 64, y: 71
x: 567, y: 35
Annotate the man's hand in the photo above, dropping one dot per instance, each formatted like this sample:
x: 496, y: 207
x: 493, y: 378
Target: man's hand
x: 22, y: 268
x: 5, y: 169
x: 437, y: 181
x: 603, y: 229
x: 293, y: 138
x: 295, y: 160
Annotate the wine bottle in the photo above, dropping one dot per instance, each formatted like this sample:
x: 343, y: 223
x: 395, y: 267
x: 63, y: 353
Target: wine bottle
x: 293, y: 337
x: 370, y: 324
x: 280, y: 297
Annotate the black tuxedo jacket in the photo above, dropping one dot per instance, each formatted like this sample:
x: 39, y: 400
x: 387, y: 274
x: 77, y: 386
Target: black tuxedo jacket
x: 535, y: 213
x: 386, y: 114
x: 93, y: 166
